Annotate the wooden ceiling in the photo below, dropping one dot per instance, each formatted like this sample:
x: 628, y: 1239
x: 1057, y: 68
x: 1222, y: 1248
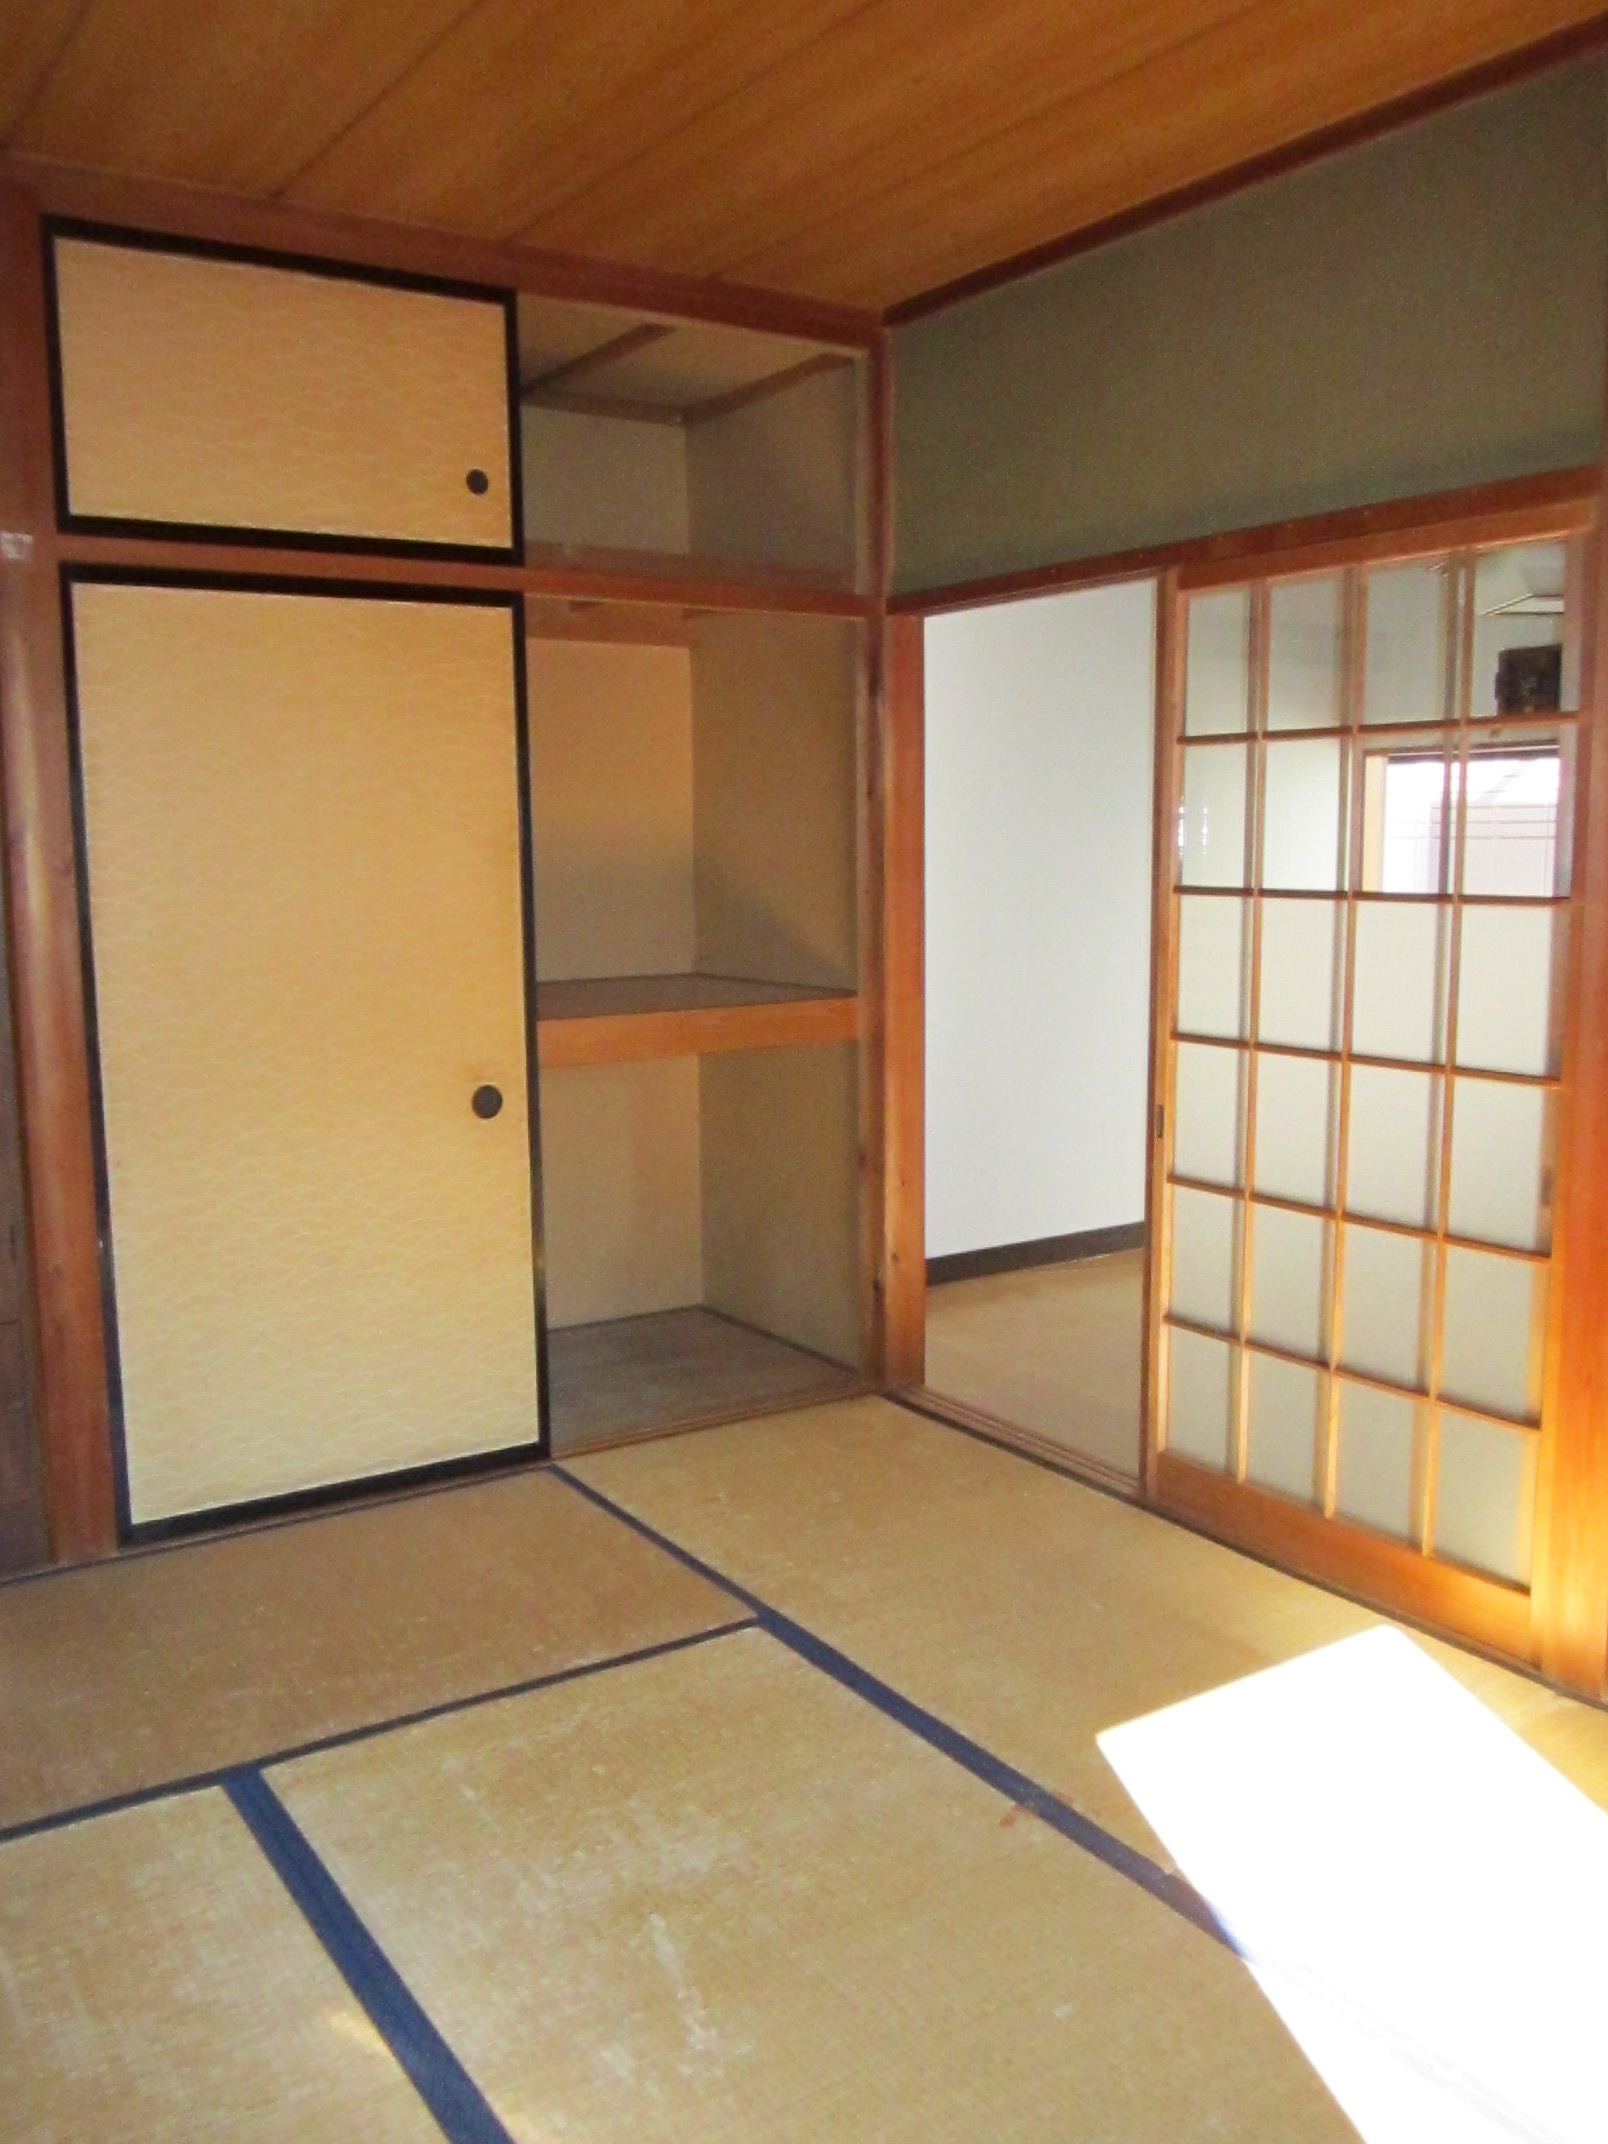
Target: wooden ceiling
x: 862, y: 151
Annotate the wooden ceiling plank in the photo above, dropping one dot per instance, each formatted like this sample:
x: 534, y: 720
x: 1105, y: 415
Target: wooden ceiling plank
x: 1586, y: 39
x: 520, y: 103
x: 906, y: 83
x: 228, y: 93
x: 857, y: 151
x: 33, y: 38
x: 1244, y: 89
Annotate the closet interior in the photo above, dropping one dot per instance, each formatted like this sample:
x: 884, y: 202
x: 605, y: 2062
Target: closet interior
x: 695, y: 722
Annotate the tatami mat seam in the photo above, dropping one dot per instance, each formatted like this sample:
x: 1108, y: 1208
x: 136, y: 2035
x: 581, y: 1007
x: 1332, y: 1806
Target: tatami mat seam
x: 460, y: 2108
x: 1162, y: 1884
x: 220, y: 1775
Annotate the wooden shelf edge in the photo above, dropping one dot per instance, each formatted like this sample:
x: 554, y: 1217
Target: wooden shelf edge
x: 625, y: 1037
x: 1387, y: 1574
x: 589, y: 586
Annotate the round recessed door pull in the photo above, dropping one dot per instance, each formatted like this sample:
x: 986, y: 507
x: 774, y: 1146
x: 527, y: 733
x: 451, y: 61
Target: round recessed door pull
x: 478, y: 481
x: 486, y: 1101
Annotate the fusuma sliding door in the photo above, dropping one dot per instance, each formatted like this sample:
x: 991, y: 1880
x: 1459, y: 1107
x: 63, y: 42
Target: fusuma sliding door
x: 1359, y: 1067
x: 309, y: 935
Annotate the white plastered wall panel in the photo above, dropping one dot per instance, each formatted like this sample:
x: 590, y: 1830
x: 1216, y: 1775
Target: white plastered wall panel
x: 613, y: 483
x: 776, y: 481
x: 1040, y: 718
x: 621, y: 1194
x: 611, y: 807
x: 781, y: 1185
x: 775, y: 704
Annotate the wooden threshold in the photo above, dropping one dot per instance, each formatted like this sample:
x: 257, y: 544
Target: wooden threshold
x: 609, y: 1020
x: 606, y: 581
x: 1062, y: 1458
x: 1389, y: 1575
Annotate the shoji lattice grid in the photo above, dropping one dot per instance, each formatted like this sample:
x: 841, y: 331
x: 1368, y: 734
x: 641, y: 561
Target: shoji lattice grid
x: 1370, y: 881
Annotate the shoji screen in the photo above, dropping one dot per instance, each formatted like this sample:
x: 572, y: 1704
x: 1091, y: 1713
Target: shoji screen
x: 1362, y: 1048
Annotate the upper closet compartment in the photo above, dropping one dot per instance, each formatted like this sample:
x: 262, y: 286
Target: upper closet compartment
x: 648, y: 442
x: 218, y: 394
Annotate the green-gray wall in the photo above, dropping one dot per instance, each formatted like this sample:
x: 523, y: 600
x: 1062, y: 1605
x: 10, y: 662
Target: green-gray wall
x: 1419, y: 313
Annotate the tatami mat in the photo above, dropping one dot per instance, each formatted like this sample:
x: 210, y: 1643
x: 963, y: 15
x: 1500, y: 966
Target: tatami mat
x: 715, y: 1895
x: 1020, y: 1606
x: 123, y: 1676
x: 157, y: 1983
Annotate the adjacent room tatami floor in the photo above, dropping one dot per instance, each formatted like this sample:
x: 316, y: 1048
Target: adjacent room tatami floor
x: 740, y: 1785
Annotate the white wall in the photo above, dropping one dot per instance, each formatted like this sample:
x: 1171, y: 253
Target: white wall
x: 1039, y: 755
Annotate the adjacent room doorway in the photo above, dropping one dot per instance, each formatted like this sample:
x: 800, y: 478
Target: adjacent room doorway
x: 1039, y: 769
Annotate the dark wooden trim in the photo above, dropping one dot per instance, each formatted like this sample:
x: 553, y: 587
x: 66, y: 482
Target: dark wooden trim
x: 1041, y: 1251
x: 1553, y: 502
x: 47, y: 967
x: 1578, y: 41
x: 1388, y: 1574
x: 163, y: 207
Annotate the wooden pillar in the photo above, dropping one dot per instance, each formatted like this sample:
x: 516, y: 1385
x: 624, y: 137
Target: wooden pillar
x: 1571, y: 1578
x: 46, y: 957
x: 904, y: 985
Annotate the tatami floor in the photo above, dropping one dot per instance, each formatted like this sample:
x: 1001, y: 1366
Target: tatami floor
x: 739, y: 1785
x: 1053, y: 1350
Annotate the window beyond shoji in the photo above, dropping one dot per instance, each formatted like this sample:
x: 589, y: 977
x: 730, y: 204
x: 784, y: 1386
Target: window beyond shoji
x: 1370, y: 888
